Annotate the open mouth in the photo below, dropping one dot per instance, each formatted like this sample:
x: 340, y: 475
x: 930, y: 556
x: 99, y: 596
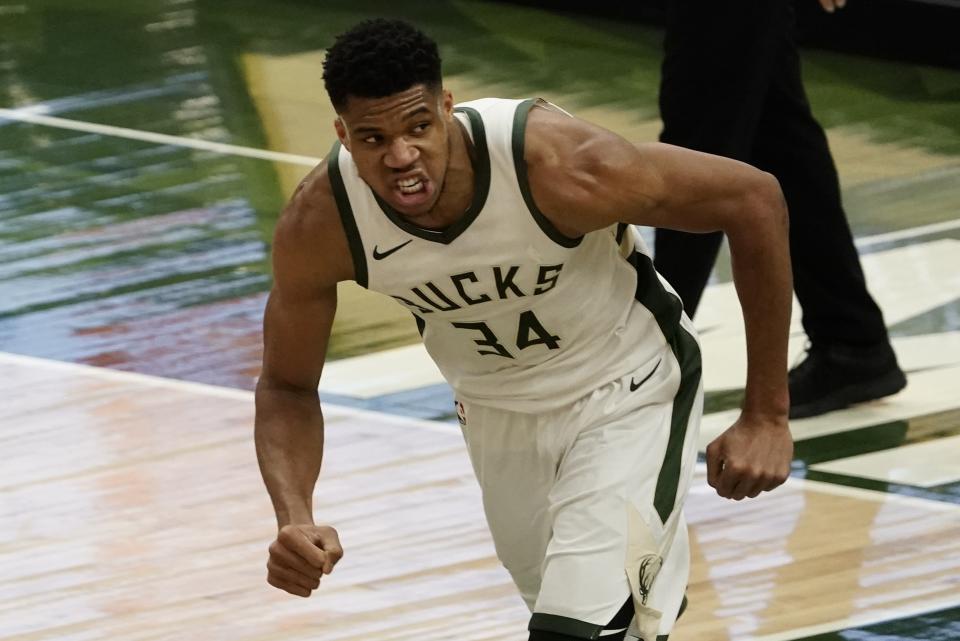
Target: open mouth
x: 411, y: 185
x: 412, y: 192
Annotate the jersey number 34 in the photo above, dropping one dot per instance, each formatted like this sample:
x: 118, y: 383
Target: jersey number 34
x: 530, y: 332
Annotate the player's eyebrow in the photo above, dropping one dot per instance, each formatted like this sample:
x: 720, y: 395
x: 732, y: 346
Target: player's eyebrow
x: 370, y: 129
x: 365, y: 129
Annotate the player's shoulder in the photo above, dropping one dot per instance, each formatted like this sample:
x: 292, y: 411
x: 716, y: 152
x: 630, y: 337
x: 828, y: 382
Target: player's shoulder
x: 310, y: 207
x: 555, y: 139
x: 309, y: 229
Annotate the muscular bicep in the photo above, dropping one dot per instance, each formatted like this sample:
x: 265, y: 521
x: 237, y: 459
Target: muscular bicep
x: 583, y: 178
x: 296, y: 331
x: 310, y: 256
x: 693, y: 191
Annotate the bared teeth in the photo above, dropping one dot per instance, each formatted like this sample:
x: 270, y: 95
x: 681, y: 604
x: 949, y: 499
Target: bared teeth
x: 410, y: 185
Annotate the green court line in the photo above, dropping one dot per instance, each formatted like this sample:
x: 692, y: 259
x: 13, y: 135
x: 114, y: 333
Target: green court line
x: 879, y: 437
x: 940, y: 625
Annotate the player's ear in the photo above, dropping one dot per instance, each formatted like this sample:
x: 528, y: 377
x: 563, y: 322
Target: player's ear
x: 446, y: 103
x: 341, y: 133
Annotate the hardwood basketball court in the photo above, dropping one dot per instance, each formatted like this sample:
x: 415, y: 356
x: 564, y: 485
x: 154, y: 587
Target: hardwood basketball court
x: 133, y: 509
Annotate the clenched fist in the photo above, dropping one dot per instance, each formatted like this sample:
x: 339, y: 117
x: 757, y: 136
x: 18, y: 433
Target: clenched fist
x: 751, y: 457
x: 300, y: 556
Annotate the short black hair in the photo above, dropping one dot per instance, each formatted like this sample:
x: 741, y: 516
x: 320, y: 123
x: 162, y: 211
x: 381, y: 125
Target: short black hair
x: 377, y: 58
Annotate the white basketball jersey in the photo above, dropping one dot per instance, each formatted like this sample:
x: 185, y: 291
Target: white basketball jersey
x: 515, y: 314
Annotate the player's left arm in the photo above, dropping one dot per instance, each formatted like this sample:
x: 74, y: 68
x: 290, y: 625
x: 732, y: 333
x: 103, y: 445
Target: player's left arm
x: 584, y: 178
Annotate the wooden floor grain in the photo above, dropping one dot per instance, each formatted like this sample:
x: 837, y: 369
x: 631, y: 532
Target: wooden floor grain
x: 131, y: 508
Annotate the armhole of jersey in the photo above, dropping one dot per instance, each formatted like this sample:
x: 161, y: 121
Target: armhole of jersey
x: 346, y: 216
x: 517, y: 142
x: 621, y: 232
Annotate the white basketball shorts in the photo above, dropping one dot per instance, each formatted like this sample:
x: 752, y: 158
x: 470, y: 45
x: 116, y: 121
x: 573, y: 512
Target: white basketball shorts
x: 585, y: 502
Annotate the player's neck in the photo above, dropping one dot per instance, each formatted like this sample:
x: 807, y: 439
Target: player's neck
x: 456, y: 192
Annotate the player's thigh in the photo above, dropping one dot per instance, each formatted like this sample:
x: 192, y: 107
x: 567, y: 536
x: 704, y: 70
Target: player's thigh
x: 609, y: 538
x: 515, y: 459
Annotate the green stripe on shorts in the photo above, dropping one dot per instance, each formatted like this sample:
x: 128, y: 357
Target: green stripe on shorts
x: 667, y: 310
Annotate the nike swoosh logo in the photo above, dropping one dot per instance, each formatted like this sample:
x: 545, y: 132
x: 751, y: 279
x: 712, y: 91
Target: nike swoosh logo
x: 634, y: 386
x: 378, y: 255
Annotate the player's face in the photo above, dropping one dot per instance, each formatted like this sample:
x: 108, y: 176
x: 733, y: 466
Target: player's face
x: 400, y: 145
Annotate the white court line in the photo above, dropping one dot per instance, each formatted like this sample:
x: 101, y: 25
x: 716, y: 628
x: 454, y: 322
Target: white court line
x: 146, y: 136
x: 28, y: 114
x: 912, y: 232
x: 332, y: 410
x: 121, y: 376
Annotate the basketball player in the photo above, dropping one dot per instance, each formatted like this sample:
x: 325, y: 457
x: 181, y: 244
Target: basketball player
x: 504, y: 227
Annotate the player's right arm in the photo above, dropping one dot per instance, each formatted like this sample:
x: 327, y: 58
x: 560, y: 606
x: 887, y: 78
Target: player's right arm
x: 310, y: 255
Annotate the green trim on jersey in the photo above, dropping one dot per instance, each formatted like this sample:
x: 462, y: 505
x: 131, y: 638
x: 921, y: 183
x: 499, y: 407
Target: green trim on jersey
x: 667, y: 309
x: 564, y: 625
x: 346, y: 216
x: 481, y: 188
x: 519, y: 134
x: 621, y: 231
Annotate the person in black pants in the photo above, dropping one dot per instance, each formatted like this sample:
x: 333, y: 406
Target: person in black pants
x: 731, y: 86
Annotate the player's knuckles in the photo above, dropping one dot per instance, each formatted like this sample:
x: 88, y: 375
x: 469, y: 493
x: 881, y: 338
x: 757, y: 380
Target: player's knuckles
x: 288, y: 559
x: 301, y: 566
x: 725, y: 491
x: 317, y: 558
x: 292, y: 575
x: 735, y: 469
x: 775, y: 483
x: 755, y: 474
x: 740, y: 493
x: 292, y: 535
x: 778, y: 478
x: 331, y: 547
x: 295, y: 590
x: 289, y: 536
x: 274, y: 581
x: 328, y: 534
x: 714, y: 450
x: 761, y: 476
x: 279, y: 552
x: 713, y: 472
x: 774, y: 478
x: 296, y: 544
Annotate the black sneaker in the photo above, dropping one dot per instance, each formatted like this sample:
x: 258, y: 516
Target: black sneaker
x: 837, y: 376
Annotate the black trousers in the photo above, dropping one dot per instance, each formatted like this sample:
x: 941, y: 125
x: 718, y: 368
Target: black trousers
x: 731, y: 86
